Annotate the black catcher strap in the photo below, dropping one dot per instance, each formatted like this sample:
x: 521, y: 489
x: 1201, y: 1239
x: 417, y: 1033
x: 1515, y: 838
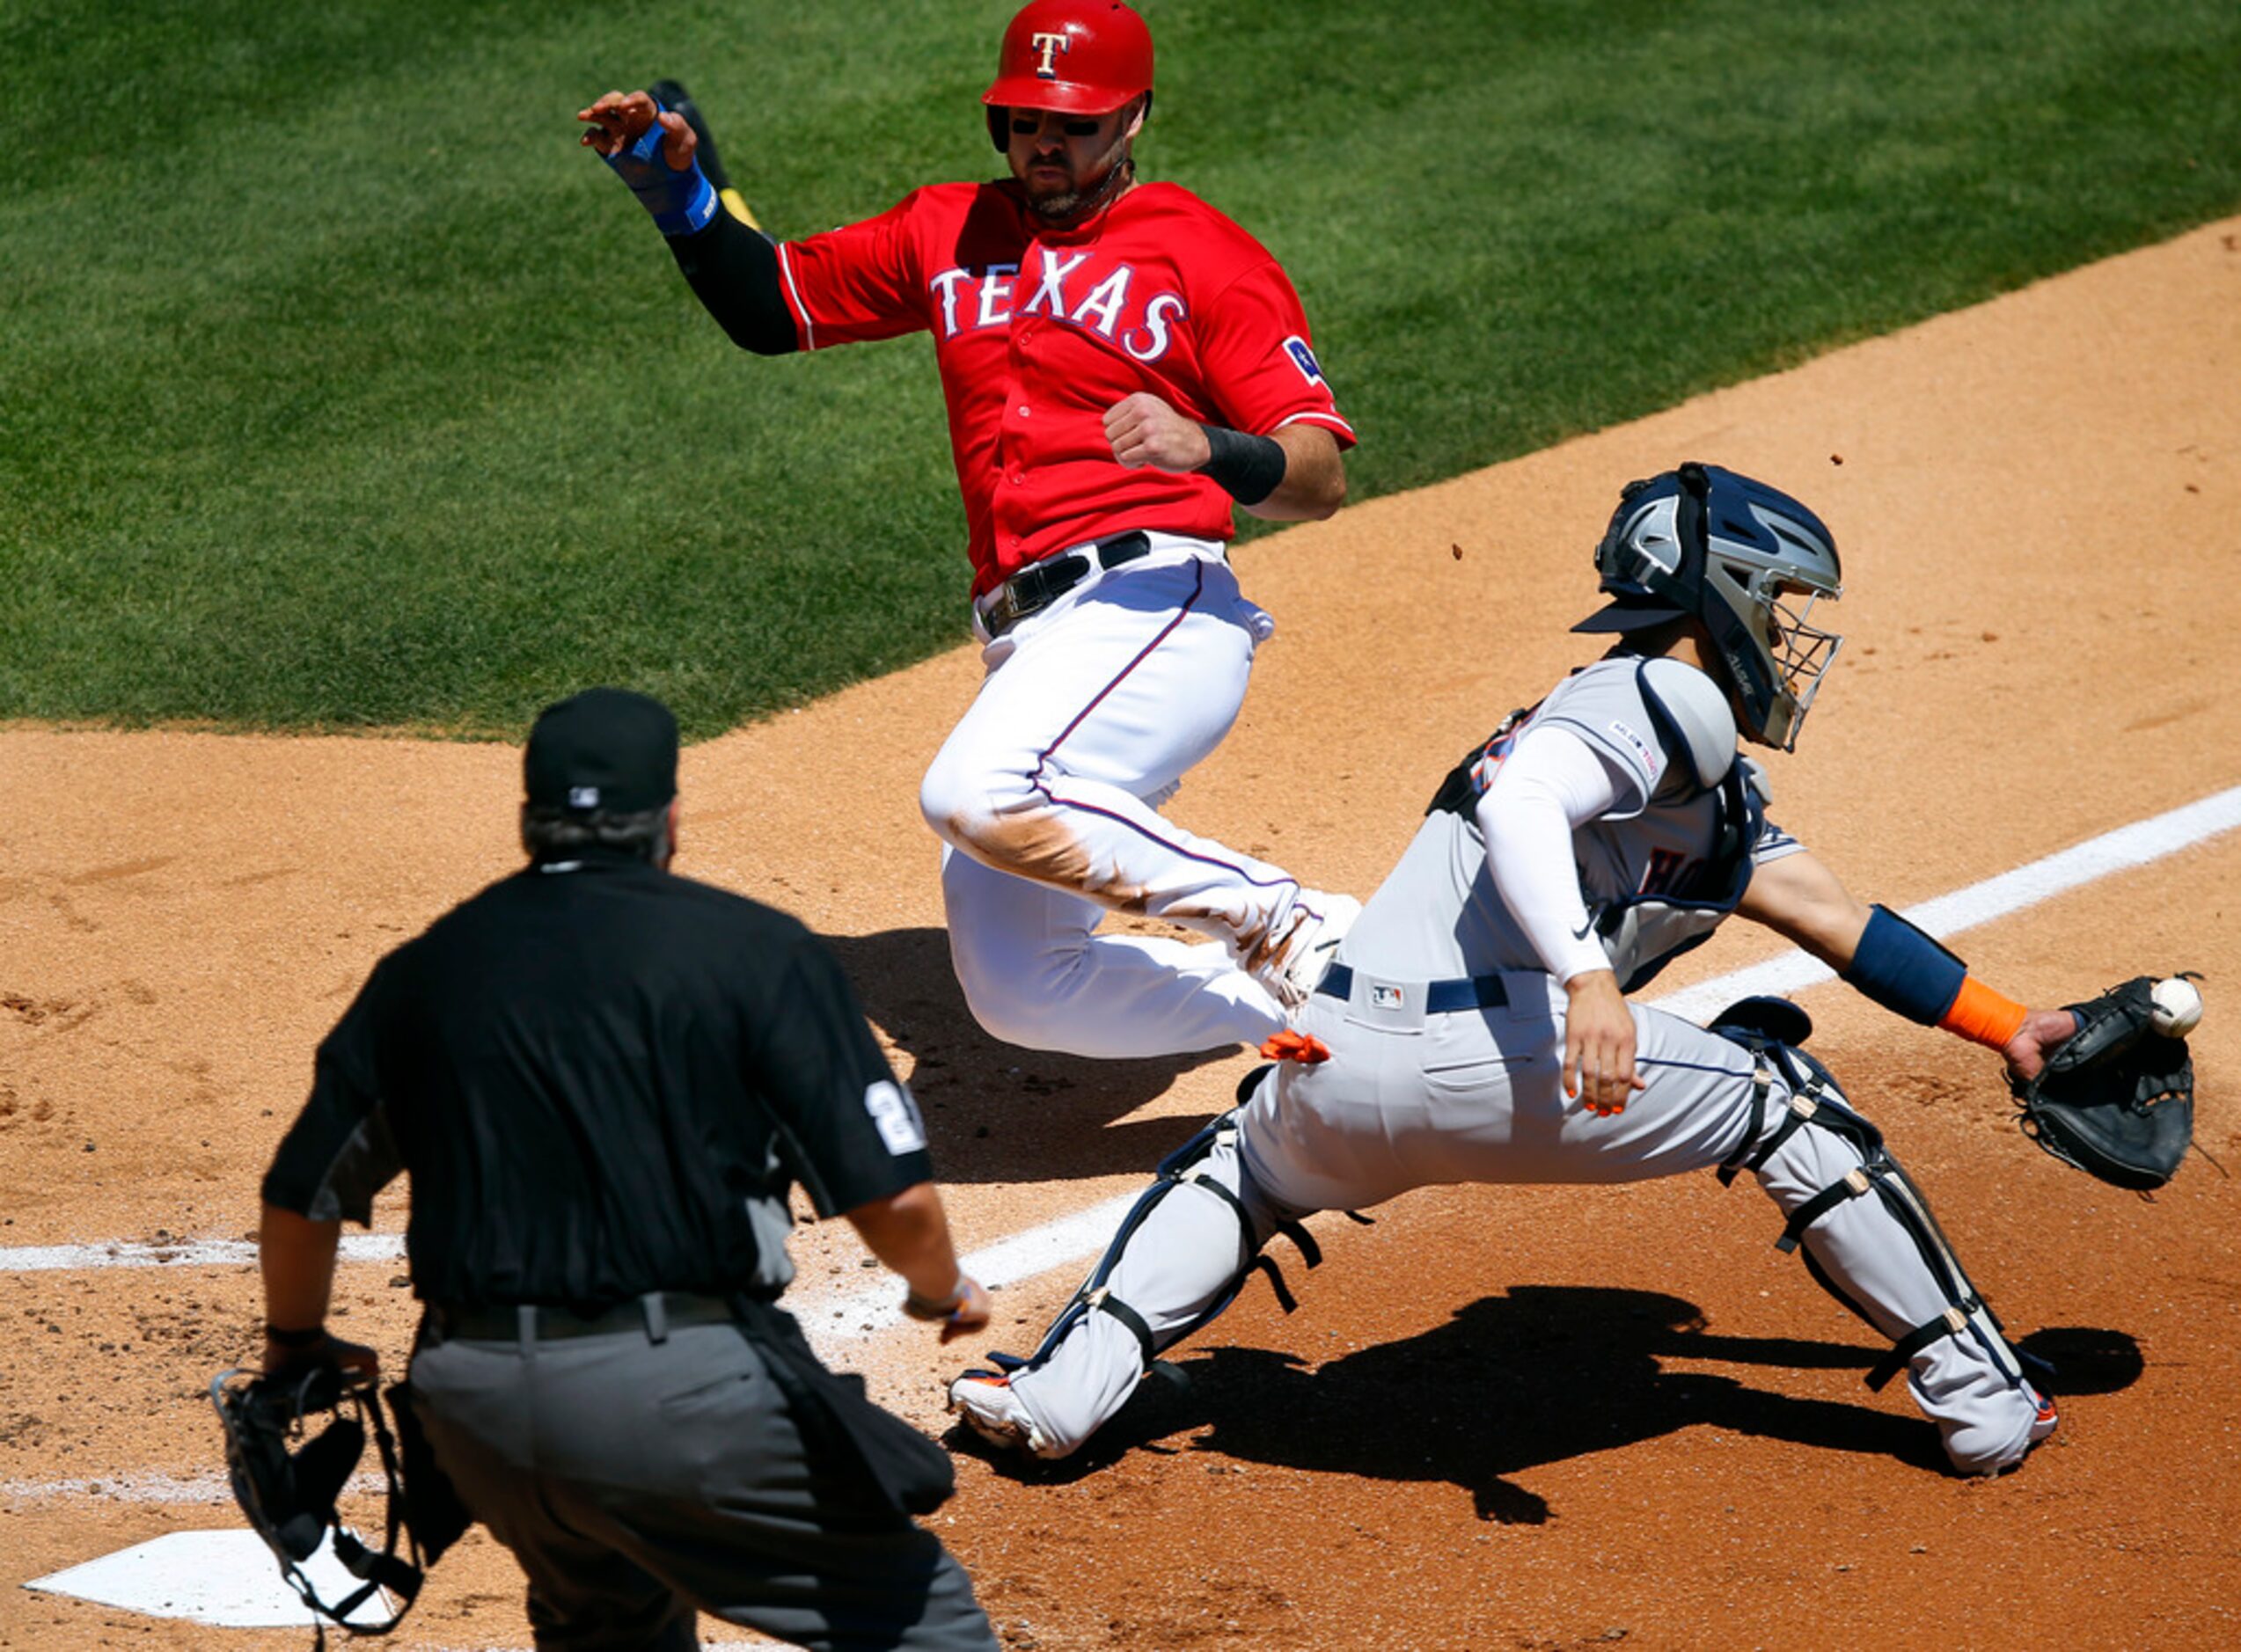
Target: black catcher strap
x: 1952, y: 1322
x: 1851, y: 1185
x: 1761, y: 1081
x: 1457, y: 793
x: 1773, y: 1031
x: 1104, y: 1301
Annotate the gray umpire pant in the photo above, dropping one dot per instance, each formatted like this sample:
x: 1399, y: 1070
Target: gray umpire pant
x: 636, y: 1481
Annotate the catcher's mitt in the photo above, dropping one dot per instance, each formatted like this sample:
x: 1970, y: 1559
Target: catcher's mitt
x: 2117, y: 1100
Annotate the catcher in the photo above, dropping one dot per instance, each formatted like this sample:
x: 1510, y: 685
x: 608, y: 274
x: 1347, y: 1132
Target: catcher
x: 1475, y: 1026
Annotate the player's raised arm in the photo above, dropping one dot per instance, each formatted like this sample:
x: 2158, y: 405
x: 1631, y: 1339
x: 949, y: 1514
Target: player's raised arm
x: 650, y: 148
x: 658, y: 150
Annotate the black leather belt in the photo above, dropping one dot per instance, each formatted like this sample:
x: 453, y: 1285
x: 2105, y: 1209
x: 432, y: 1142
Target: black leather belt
x: 1040, y: 584
x: 1441, y: 997
x: 653, y: 1316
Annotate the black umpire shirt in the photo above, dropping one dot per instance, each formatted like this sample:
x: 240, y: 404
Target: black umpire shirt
x: 602, y: 1078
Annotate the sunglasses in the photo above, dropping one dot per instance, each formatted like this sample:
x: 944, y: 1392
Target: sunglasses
x: 1028, y: 126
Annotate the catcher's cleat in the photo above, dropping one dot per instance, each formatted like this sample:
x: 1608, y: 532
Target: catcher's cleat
x: 671, y: 94
x: 993, y: 1411
x: 2042, y: 1427
x: 1291, y: 969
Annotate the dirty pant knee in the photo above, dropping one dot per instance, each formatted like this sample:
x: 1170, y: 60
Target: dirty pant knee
x: 1034, y: 974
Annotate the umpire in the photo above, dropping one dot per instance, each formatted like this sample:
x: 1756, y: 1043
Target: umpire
x: 604, y: 1080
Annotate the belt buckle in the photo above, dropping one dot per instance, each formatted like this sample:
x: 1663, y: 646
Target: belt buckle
x: 1007, y: 606
x: 1000, y: 613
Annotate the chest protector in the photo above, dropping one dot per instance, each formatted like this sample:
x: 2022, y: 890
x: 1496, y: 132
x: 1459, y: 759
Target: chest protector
x: 1644, y: 932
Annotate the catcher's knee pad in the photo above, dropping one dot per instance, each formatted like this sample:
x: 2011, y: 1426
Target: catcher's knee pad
x: 1190, y: 1168
x: 1793, y: 1092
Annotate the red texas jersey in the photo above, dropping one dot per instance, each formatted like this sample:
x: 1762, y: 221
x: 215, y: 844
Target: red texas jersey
x: 1039, y: 331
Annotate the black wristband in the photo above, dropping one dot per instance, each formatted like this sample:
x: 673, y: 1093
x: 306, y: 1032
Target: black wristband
x: 279, y: 1338
x: 1248, y: 469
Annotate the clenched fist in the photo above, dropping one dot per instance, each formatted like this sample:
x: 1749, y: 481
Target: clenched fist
x: 1145, y: 430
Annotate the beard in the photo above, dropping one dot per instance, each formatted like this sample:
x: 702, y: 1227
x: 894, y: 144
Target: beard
x: 1056, y: 202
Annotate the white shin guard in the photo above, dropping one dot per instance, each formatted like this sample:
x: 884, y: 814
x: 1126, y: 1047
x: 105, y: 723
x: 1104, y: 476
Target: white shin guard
x: 1181, y: 1257
x: 1870, y: 1241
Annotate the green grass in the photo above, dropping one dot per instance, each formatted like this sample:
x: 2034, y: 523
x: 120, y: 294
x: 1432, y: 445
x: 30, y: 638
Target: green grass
x: 338, y: 388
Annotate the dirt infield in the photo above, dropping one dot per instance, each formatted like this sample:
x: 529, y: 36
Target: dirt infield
x: 1502, y: 1418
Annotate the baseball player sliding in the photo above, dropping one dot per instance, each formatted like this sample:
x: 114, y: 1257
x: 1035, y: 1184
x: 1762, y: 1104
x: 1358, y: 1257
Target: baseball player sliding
x: 1474, y: 1028
x: 1123, y: 366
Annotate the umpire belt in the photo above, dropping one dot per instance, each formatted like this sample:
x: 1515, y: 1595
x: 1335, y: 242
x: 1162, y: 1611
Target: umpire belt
x: 1038, y: 585
x: 654, y: 1315
x: 1432, y: 998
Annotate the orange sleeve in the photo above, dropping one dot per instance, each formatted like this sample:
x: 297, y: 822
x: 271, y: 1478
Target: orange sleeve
x: 1985, y: 1017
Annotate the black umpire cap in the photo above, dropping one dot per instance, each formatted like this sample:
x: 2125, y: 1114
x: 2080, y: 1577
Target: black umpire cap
x: 606, y: 749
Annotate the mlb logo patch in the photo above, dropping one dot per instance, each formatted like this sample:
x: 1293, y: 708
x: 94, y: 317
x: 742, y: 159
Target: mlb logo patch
x: 1653, y: 759
x: 1304, y: 359
x: 583, y: 797
x: 1383, y: 997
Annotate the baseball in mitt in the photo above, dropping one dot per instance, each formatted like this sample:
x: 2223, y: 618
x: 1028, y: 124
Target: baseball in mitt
x: 2117, y: 1100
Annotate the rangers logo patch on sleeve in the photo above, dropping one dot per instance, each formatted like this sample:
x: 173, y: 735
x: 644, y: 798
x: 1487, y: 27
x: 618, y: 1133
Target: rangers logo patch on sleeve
x: 1304, y: 359
x: 892, y: 1109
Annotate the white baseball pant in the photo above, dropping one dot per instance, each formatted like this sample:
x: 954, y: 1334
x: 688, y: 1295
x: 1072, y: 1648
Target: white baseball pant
x: 1045, y: 796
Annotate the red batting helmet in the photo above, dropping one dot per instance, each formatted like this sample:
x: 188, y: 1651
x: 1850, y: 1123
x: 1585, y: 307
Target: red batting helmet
x: 1075, y: 56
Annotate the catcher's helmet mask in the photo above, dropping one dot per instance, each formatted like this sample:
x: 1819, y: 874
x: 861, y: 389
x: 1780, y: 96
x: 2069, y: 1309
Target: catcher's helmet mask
x: 286, y: 1481
x: 1706, y: 544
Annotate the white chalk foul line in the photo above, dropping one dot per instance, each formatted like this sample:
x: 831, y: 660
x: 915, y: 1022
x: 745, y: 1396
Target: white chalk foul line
x: 835, y: 1322
x: 832, y: 1323
x: 28, y: 1259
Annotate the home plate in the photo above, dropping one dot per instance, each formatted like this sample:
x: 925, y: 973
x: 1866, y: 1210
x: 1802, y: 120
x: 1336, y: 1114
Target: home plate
x: 229, y: 1578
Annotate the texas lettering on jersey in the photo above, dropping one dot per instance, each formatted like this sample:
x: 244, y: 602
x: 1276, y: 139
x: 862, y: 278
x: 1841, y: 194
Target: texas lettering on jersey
x: 1039, y: 331
x: 1109, y: 305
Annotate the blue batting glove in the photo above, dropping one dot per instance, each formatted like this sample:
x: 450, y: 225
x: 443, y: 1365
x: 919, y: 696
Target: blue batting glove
x: 681, y: 202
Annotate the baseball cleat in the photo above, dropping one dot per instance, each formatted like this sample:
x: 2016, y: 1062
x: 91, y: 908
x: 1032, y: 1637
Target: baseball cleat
x: 1291, y: 971
x: 2042, y: 1426
x: 993, y: 1411
x: 672, y: 95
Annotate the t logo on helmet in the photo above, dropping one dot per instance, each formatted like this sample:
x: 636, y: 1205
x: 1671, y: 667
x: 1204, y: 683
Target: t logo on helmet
x: 1050, y: 43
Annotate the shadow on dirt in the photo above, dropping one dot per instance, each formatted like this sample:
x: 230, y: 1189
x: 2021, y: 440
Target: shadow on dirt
x: 1539, y: 1375
x: 995, y: 1112
x: 2087, y: 1360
